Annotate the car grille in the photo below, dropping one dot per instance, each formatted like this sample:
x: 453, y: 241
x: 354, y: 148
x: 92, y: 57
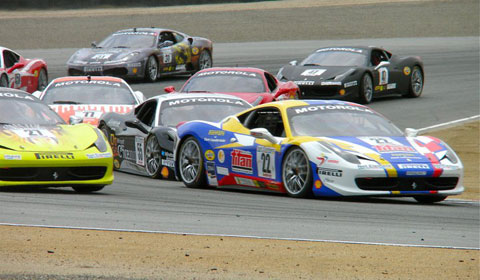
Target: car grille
x: 407, y: 184
x: 318, y: 92
x: 52, y: 173
x: 75, y: 72
x: 116, y: 72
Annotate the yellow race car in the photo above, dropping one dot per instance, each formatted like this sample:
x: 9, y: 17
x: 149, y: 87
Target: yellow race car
x: 38, y: 148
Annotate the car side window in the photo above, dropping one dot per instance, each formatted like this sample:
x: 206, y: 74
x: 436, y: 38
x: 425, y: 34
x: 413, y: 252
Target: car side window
x: 146, y: 114
x: 178, y: 38
x: 271, y: 81
x: 377, y: 57
x: 268, y: 118
x: 10, y: 58
x: 164, y: 37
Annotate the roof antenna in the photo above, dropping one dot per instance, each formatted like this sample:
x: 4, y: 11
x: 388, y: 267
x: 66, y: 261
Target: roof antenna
x: 134, y: 29
x: 89, y: 78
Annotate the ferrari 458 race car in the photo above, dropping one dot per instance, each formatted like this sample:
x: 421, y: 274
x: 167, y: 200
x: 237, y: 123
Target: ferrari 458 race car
x: 84, y: 98
x: 38, y: 148
x: 144, y: 53
x: 360, y: 73
x: 143, y: 140
x: 21, y: 73
x: 319, y: 147
x: 255, y: 85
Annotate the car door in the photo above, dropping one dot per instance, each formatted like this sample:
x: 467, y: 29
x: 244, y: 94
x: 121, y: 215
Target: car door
x: 166, y: 56
x: 13, y: 65
x: 385, y: 74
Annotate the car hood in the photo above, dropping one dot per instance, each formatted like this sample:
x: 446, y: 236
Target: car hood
x: 90, y: 113
x: 35, y: 138
x: 316, y: 73
x: 100, y: 55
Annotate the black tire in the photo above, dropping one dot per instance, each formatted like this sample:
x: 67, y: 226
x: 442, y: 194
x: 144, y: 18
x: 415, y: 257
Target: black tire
x: 365, y: 92
x: 191, y: 164
x: 42, y: 79
x: 153, y: 157
x: 87, y: 188
x: 105, y: 131
x: 204, y: 60
x: 4, y: 81
x: 415, y: 88
x: 297, y: 173
x: 428, y: 199
x: 151, y: 69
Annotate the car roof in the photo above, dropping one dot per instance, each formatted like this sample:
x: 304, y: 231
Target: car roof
x: 245, y: 69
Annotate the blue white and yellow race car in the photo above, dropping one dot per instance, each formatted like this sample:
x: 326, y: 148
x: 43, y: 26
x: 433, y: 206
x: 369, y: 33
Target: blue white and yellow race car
x: 38, y: 148
x: 317, y: 147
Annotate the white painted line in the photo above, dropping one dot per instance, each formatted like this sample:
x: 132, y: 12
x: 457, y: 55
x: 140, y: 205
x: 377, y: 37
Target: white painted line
x: 447, y: 124
x: 246, y: 236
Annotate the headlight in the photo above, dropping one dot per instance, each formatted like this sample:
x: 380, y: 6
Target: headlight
x: 450, y: 155
x: 350, y: 157
x: 100, y: 143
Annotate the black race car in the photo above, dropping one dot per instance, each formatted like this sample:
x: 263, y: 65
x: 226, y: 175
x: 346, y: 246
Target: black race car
x: 143, y: 140
x: 358, y: 73
x: 144, y: 53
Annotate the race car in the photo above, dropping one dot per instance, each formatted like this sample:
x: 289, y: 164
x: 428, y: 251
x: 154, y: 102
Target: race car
x: 143, y: 53
x: 326, y: 148
x: 22, y: 73
x: 37, y: 148
x: 355, y: 73
x: 255, y: 85
x: 142, y: 140
x: 84, y: 99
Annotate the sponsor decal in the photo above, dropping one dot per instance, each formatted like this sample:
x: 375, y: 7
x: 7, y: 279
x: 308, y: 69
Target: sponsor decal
x: 168, y: 162
x: 99, y: 155
x: 216, y: 132
x: 140, y: 158
x: 50, y: 155
x: 167, y: 56
x: 445, y: 166
x: 126, y: 154
x: 387, y: 148
x: 245, y: 181
x: 227, y: 72
x: 195, y: 51
x: 136, y: 64
x: 406, y: 70
x: 369, y: 166
x: 221, y: 156
x: 380, y: 88
x: 329, y: 180
x: 204, y: 99
x: 116, y: 163
x: 329, y: 172
x: 340, y: 49
x: 164, y: 172
x: 413, y: 166
x: 209, y: 155
x: 99, y: 56
x: 304, y: 83
x: 12, y: 157
x: 318, y: 184
x: 350, y: 84
x: 211, y: 175
x: 331, y: 107
x: 222, y: 171
x: 242, y: 161
x: 313, y: 72
x: 91, y: 82
x: 322, y: 159
x: 392, y: 86
x: 89, y: 114
x: 206, y: 139
x: 15, y: 95
x: 266, y: 162
x: 416, y: 173
x: 331, y: 83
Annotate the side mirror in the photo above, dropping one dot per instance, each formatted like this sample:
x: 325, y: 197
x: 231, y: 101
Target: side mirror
x: 75, y: 120
x: 93, y: 44
x: 411, y: 132
x: 37, y: 94
x: 165, y: 44
x: 140, y: 96
x: 263, y: 133
x: 15, y: 67
x: 293, y: 62
x: 136, y: 124
x: 282, y: 91
x: 190, y: 40
x: 169, y: 89
x: 381, y: 64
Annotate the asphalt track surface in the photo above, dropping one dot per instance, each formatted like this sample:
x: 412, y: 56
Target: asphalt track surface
x: 140, y: 203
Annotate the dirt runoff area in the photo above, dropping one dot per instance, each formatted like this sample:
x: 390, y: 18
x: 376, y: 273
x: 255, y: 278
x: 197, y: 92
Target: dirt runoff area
x: 48, y: 253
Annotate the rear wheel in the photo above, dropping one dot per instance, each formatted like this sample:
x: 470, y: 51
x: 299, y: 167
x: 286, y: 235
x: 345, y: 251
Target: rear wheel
x: 430, y: 198
x: 416, y: 83
x: 87, y: 188
x: 151, y: 69
x: 3, y: 81
x: 205, y: 60
x: 42, y: 79
x: 190, y: 163
x: 365, y: 94
x: 153, y: 157
x: 297, y: 173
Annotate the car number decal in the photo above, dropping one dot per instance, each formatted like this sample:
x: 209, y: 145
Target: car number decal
x: 266, y: 162
x: 313, y: 72
x: 18, y: 79
x: 139, y: 150
x: 167, y: 56
x: 383, y: 76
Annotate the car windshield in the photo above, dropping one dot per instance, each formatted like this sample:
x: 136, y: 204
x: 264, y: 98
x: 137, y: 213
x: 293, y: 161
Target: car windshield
x: 327, y: 57
x: 129, y: 40
x: 339, y: 120
x: 27, y: 112
x: 89, y: 92
x: 174, y: 112
x: 226, y: 82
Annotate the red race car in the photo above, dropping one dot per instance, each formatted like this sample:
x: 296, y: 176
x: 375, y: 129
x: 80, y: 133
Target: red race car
x: 254, y: 85
x: 22, y: 73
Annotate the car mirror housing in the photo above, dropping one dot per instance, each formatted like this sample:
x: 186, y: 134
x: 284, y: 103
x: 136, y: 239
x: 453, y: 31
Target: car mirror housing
x: 165, y: 44
x: 137, y: 125
x: 140, y: 96
x: 263, y: 133
x: 293, y: 62
x: 382, y: 64
x: 15, y: 67
x: 411, y: 132
x: 93, y: 44
x: 75, y: 120
x: 169, y: 89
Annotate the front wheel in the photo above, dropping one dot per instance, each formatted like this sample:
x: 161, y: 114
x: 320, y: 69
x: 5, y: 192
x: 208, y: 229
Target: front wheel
x: 365, y: 94
x: 190, y: 163
x: 151, y: 69
x: 42, y: 79
x: 297, y: 173
x: 153, y: 157
x: 87, y: 188
x: 416, y: 83
x: 427, y: 199
x: 3, y: 81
